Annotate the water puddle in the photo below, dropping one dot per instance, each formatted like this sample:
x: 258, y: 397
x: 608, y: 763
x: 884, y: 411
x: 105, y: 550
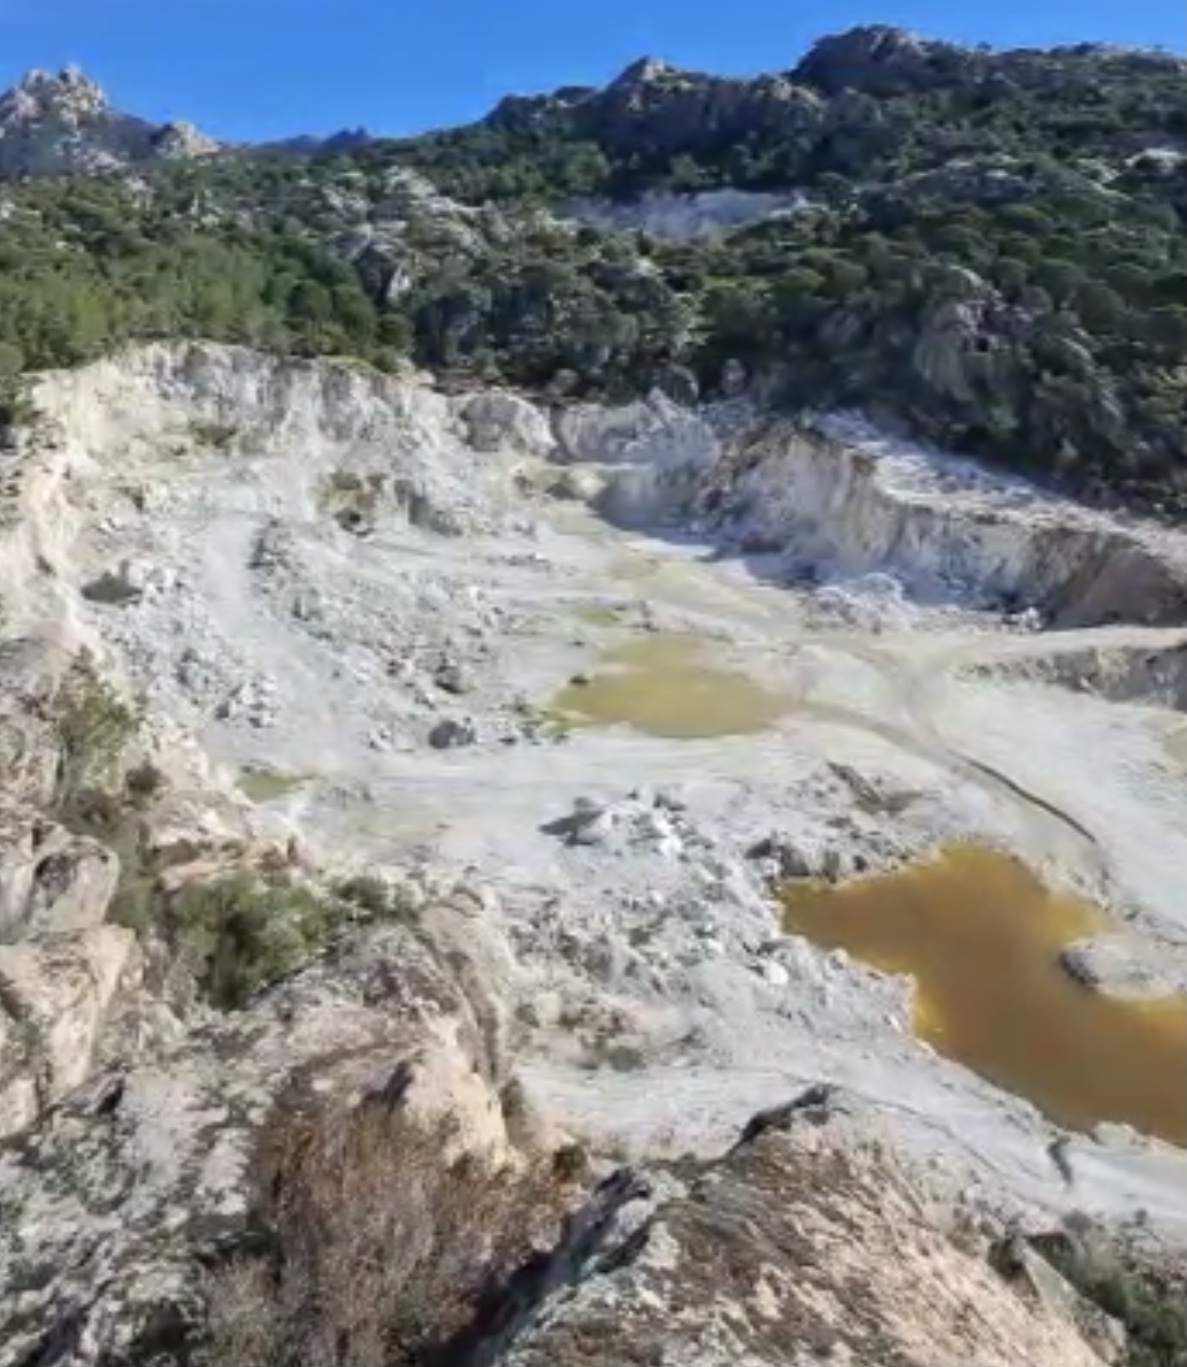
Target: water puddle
x: 663, y: 686
x: 980, y: 935
x: 269, y: 785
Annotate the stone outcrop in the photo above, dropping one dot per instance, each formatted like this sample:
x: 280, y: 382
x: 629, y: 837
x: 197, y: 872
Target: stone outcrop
x: 50, y: 880
x: 62, y: 124
x: 837, y: 86
x: 808, y: 1243
x: 848, y: 500
x: 109, y: 1205
x: 674, y: 108
x: 883, y: 61
x: 1124, y: 966
x: 56, y: 994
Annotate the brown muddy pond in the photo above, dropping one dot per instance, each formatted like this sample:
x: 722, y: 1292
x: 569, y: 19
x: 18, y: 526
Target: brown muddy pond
x: 664, y: 686
x: 980, y: 935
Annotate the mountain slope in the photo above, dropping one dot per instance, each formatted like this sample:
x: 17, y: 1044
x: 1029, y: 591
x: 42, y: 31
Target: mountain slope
x: 987, y: 246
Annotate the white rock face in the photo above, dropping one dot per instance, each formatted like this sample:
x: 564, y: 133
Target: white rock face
x: 501, y: 422
x: 880, y: 522
x: 198, y: 395
x: 861, y: 502
x: 654, y: 455
x: 690, y: 217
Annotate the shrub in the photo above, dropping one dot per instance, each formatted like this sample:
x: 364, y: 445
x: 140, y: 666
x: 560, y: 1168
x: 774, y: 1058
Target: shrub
x: 137, y: 895
x: 219, y: 435
x: 1151, y: 1303
x: 382, y: 1247
x: 376, y: 898
x: 239, y: 934
x: 93, y: 725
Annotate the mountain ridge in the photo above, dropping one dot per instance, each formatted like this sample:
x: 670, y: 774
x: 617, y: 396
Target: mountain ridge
x: 874, y: 59
x: 985, y: 246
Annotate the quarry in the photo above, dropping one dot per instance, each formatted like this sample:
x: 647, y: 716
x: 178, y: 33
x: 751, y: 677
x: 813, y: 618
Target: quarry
x: 644, y: 694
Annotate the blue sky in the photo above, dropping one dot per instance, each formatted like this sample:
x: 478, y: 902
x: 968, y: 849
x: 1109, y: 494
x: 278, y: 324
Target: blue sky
x: 264, y: 68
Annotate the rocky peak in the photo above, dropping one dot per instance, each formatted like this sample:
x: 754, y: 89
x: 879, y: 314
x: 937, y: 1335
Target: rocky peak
x: 309, y: 144
x: 882, y: 61
x: 67, y: 95
x: 181, y: 139
x: 644, y: 71
x: 61, y: 123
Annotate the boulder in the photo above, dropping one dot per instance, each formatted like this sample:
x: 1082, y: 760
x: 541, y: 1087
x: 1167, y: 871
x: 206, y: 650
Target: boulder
x: 1037, y: 1281
x: 451, y: 733
x: 1121, y: 964
x: 50, y: 880
x: 55, y: 995
x: 497, y: 421
x: 31, y: 673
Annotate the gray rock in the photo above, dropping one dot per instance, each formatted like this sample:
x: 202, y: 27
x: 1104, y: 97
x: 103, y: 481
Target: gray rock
x: 787, y: 858
x: 60, y: 123
x: 452, y: 677
x: 593, y: 828
x: 578, y: 485
x: 114, y: 588
x: 149, y: 1167
x: 50, y: 881
x: 1022, y: 1263
x: 1123, y: 965
x: 452, y: 733
x: 55, y: 995
x: 758, y: 1259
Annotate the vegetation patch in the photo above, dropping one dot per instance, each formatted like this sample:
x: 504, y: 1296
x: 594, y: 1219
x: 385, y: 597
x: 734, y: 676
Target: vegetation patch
x: 374, y: 898
x: 1148, y: 1300
x: 218, y: 435
x: 379, y: 1247
x: 240, y: 933
x: 94, y: 725
x: 269, y: 785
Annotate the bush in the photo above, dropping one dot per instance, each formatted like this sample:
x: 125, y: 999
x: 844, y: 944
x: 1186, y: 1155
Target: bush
x: 381, y: 1246
x: 240, y: 934
x: 93, y: 726
x: 377, y: 898
x: 219, y: 435
x: 1151, y: 1303
x: 17, y: 409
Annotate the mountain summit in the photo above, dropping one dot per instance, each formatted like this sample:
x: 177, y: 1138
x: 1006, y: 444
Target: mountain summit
x: 61, y: 123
